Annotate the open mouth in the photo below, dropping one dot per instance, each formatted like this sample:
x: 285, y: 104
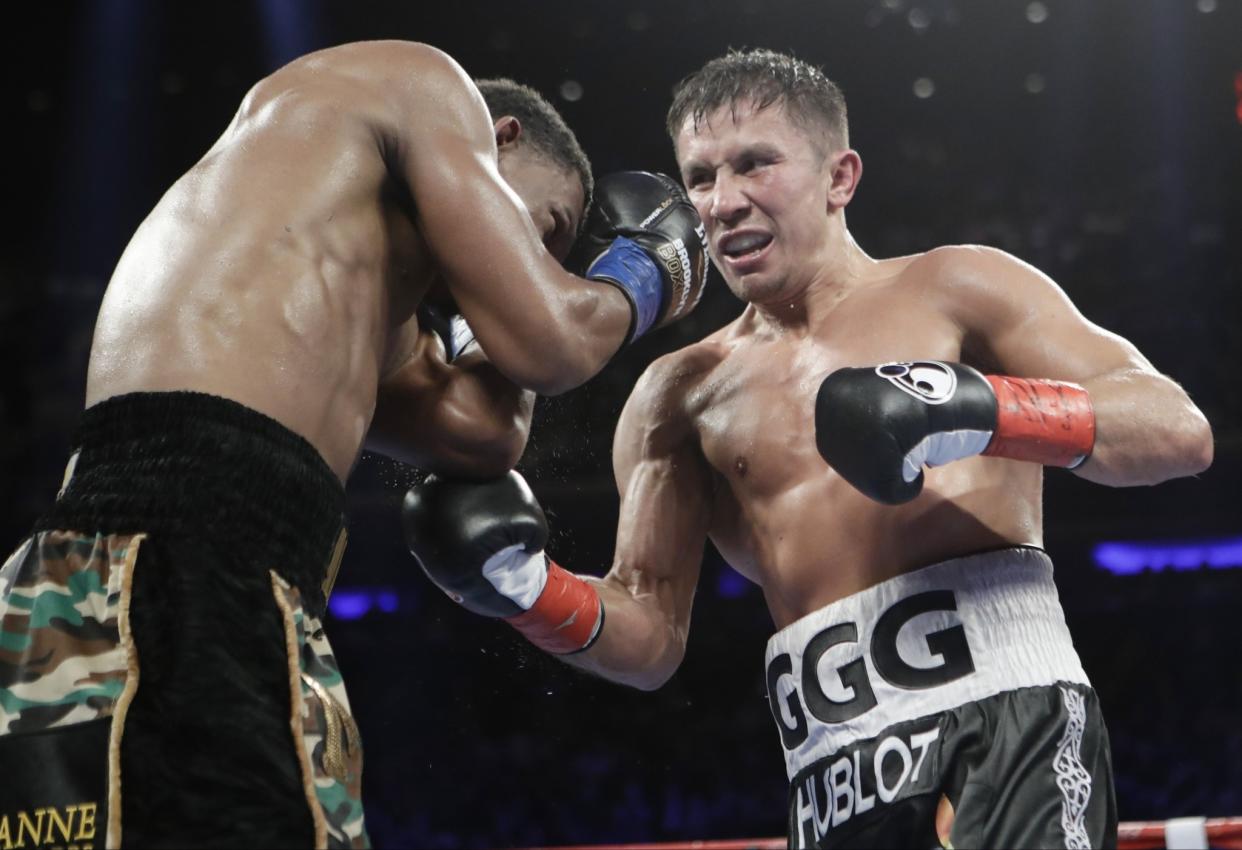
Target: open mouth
x: 743, y: 252
x: 744, y: 246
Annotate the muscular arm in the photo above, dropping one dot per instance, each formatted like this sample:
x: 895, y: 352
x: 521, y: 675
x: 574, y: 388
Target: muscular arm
x: 544, y: 328
x: 665, y: 491
x: 1021, y: 323
x: 462, y: 419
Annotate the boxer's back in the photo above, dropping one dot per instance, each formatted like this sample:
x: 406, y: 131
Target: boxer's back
x: 785, y: 519
x: 277, y: 271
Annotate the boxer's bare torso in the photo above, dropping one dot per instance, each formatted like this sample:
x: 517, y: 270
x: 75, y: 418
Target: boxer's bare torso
x: 283, y: 270
x: 777, y: 512
x: 717, y: 441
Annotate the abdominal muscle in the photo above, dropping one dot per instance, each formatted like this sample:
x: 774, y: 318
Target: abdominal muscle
x: 266, y: 275
x: 822, y: 540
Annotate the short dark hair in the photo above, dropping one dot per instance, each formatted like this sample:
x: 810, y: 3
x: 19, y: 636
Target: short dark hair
x: 543, y: 128
x: 762, y: 77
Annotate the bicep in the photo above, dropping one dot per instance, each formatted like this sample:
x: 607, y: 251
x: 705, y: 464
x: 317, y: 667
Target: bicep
x: 462, y: 418
x: 483, y: 239
x: 665, y: 511
x: 1147, y: 428
x: 477, y: 228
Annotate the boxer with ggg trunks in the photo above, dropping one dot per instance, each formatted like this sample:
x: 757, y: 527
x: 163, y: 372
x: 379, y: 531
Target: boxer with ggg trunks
x: 164, y: 676
x: 866, y: 442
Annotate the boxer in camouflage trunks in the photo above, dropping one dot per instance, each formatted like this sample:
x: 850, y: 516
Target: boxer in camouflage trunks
x: 169, y: 607
x: 164, y: 676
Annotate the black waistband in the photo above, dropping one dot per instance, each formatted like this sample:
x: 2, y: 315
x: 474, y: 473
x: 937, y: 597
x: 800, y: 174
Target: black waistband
x: 199, y: 465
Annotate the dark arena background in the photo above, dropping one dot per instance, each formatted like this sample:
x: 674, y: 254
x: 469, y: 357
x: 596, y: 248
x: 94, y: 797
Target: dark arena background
x: 1100, y: 140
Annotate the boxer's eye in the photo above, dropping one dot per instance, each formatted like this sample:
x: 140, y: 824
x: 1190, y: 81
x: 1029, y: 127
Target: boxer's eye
x: 559, y: 238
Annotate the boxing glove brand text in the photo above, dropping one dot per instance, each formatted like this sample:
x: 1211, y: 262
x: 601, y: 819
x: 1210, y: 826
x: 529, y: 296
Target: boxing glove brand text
x: 655, y: 213
x: 677, y: 261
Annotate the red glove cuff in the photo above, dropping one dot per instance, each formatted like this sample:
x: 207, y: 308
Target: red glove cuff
x: 1046, y: 422
x: 566, y: 617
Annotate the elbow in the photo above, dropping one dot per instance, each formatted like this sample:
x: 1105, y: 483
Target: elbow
x: 507, y: 455
x: 498, y: 445
x: 651, y: 680
x: 653, y: 676
x: 648, y: 685
x: 489, y: 455
x: 482, y: 462
x: 505, y: 449
x: 480, y: 442
x: 1187, y: 449
x: 1200, y: 447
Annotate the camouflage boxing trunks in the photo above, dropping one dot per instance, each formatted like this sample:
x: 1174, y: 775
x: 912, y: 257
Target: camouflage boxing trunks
x: 945, y: 707
x: 164, y: 675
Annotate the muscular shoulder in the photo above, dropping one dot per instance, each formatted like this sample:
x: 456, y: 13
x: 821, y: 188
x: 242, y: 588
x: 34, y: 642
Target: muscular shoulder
x: 961, y: 269
x: 982, y: 286
x: 376, y: 64
x: 386, y: 82
x: 676, y: 380
x: 662, y: 407
x: 408, y: 72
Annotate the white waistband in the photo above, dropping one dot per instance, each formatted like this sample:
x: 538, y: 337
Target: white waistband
x: 908, y: 632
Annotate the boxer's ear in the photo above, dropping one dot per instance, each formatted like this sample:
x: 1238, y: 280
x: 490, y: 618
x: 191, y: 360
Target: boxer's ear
x: 845, y: 171
x: 508, y: 130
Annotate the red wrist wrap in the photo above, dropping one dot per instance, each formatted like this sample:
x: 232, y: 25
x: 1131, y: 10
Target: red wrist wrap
x: 1047, y: 422
x: 566, y: 616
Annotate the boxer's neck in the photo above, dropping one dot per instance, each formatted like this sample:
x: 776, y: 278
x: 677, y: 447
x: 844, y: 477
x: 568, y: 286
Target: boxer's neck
x: 837, y: 269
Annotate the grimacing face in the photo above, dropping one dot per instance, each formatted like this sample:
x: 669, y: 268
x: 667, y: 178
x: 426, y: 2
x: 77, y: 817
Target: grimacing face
x: 761, y: 189
x: 553, y: 196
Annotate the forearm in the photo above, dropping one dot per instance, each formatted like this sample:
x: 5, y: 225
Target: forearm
x: 879, y: 427
x: 557, y: 341
x: 1147, y: 430
x: 638, y: 645
x: 643, y: 261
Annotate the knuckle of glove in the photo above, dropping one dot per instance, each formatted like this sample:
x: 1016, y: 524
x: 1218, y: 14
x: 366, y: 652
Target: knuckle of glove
x: 641, y: 204
x: 862, y: 431
x: 452, y: 528
x: 631, y: 200
x: 653, y: 211
x: 871, y: 423
x: 660, y: 218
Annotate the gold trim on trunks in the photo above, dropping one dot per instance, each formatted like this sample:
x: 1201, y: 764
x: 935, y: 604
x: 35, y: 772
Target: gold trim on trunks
x: 338, y: 720
x: 334, y: 566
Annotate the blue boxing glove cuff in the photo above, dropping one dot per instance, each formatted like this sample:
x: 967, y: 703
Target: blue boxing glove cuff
x: 628, y: 267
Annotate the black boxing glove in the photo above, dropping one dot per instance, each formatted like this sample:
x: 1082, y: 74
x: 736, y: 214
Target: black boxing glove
x: 877, y: 427
x: 482, y: 544
x: 644, y: 236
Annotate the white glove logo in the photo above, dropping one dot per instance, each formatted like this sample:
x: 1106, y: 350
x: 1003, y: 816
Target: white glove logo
x: 930, y: 381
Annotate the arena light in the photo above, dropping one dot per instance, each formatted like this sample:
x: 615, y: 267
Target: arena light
x: 291, y: 29
x: 1123, y: 557
x: 354, y: 603
x: 731, y: 584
